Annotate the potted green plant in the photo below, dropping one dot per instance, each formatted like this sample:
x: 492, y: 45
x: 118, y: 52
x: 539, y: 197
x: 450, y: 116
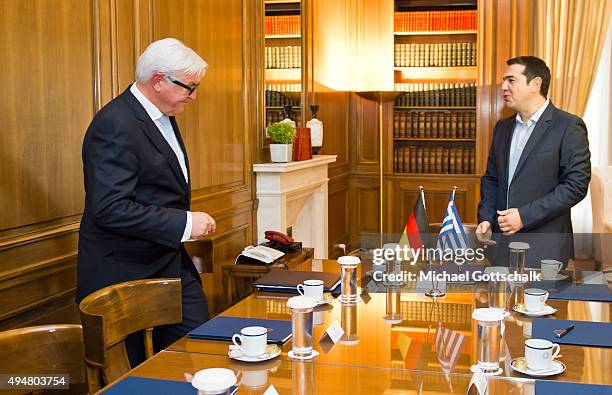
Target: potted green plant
x: 282, y: 136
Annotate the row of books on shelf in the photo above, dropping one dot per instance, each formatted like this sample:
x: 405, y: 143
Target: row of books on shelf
x: 277, y: 115
x: 278, y: 99
x: 284, y: 57
x: 434, y: 159
x: 435, y: 55
x: 436, y: 94
x: 427, y: 21
x: 284, y: 87
x: 453, y: 125
x: 277, y: 25
x: 452, y: 313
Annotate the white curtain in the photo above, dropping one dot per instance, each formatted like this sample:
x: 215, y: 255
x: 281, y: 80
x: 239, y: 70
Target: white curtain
x: 598, y: 119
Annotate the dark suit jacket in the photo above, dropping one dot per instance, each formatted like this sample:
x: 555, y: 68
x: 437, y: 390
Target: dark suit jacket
x: 136, y: 199
x: 552, y: 175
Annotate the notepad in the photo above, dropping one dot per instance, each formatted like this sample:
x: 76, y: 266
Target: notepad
x: 586, y: 292
x: 550, y: 387
x: 223, y: 328
x: 287, y: 281
x: 585, y: 333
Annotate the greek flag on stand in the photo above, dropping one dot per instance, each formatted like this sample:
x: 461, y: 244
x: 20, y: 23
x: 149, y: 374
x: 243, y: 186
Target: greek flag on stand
x: 452, y: 235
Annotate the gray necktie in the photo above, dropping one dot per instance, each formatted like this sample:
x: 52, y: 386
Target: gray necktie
x: 170, y: 137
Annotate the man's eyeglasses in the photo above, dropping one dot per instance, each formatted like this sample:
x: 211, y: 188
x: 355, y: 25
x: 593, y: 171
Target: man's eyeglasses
x: 190, y: 89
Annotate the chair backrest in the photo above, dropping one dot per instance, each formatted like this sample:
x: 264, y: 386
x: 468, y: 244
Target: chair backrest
x: 112, y: 313
x: 470, y: 232
x: 601, y: 205
x: 50, y: 349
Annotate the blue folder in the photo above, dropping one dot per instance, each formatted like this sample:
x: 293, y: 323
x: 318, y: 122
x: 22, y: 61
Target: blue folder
x: 145, y: 386
x: 140, y: 385
x: 596, y: 334
x: 587, y: 292
x: 223, y: 328
x: 549, y: 387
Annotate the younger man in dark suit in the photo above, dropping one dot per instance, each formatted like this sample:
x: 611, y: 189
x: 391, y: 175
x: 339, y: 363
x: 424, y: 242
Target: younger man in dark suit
x: 538, y: 169
x: 137, y: 189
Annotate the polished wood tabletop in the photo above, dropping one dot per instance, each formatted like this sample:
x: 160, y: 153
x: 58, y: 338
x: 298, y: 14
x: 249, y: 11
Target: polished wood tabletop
x: 309, y: 377
x: 396, y: 329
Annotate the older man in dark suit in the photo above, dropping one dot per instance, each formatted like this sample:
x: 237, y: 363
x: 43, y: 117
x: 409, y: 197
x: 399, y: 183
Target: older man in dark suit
x: 538, y: 169
x: 137, y: 187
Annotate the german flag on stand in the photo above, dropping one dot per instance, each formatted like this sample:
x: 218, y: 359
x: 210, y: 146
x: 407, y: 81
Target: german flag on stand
x: 417, y: 233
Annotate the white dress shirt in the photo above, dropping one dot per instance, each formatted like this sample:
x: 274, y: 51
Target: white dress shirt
x: 164, y: 125
x: 520, y: 136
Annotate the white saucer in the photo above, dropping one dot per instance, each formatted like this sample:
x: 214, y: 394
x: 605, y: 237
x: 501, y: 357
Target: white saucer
x: 312, y: 355
x: 235, y: 353
x: 547, y: 311
x: 557, y: 368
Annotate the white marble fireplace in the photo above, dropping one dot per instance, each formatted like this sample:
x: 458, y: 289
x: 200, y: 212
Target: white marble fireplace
x: 294, y: 195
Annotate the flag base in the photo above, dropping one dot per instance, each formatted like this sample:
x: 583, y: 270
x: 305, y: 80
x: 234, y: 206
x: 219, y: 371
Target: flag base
x: 435, y: 293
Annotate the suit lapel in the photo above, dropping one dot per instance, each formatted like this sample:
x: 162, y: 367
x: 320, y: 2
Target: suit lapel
x: 177, y: 133
x: 153, y: 133
x: 506, y: 150
x: 540, y: 129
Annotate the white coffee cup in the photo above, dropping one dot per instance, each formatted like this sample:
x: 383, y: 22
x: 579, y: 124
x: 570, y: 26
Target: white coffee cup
x: 539, y: 353
x: 550, y: 268
x: 535, y: 299
x: 253, y: 340
x: 312, y: 289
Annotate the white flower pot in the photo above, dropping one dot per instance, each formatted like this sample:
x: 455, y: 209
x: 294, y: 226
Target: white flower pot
x: 281, y: 153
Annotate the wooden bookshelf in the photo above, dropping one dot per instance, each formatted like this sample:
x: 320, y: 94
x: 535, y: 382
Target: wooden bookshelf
x: 279, y: 36
x: 434, y: 120
x: 435, y: 108
x: 457, y: 74
x: 283, y: 59
x: 285, y: 75
x: 432, y: 139
x: 436, y: 33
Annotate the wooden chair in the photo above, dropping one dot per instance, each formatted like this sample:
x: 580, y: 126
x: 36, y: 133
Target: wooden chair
x: 112, y: 313
x: 52, y: 349
x: 601, y: 205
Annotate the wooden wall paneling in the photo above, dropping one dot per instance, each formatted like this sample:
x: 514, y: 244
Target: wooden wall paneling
x: 334, y: 113
x: 364, y: 131
x: 364, y: 201
x: 213, y: 126
x: 404, y: 192
x: 46, y: 104
x: 338, y: 207
x: 49, y: 99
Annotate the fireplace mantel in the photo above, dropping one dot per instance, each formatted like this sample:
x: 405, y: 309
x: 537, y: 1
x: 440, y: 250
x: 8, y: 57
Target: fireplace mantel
x: 294, y: 195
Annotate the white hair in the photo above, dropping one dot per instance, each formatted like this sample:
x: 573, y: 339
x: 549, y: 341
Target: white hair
x: 171, y: 57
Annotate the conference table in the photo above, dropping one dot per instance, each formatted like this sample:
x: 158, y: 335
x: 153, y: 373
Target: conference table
x: 389, y: 344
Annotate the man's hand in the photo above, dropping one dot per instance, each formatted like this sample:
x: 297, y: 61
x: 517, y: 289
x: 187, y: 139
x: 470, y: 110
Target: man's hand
x: 201, y: 225
x: 484, y: 233
x: 509, y: 221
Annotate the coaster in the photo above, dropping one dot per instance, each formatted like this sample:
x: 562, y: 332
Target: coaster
x: 312, y: 355
x: 475, y: 368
